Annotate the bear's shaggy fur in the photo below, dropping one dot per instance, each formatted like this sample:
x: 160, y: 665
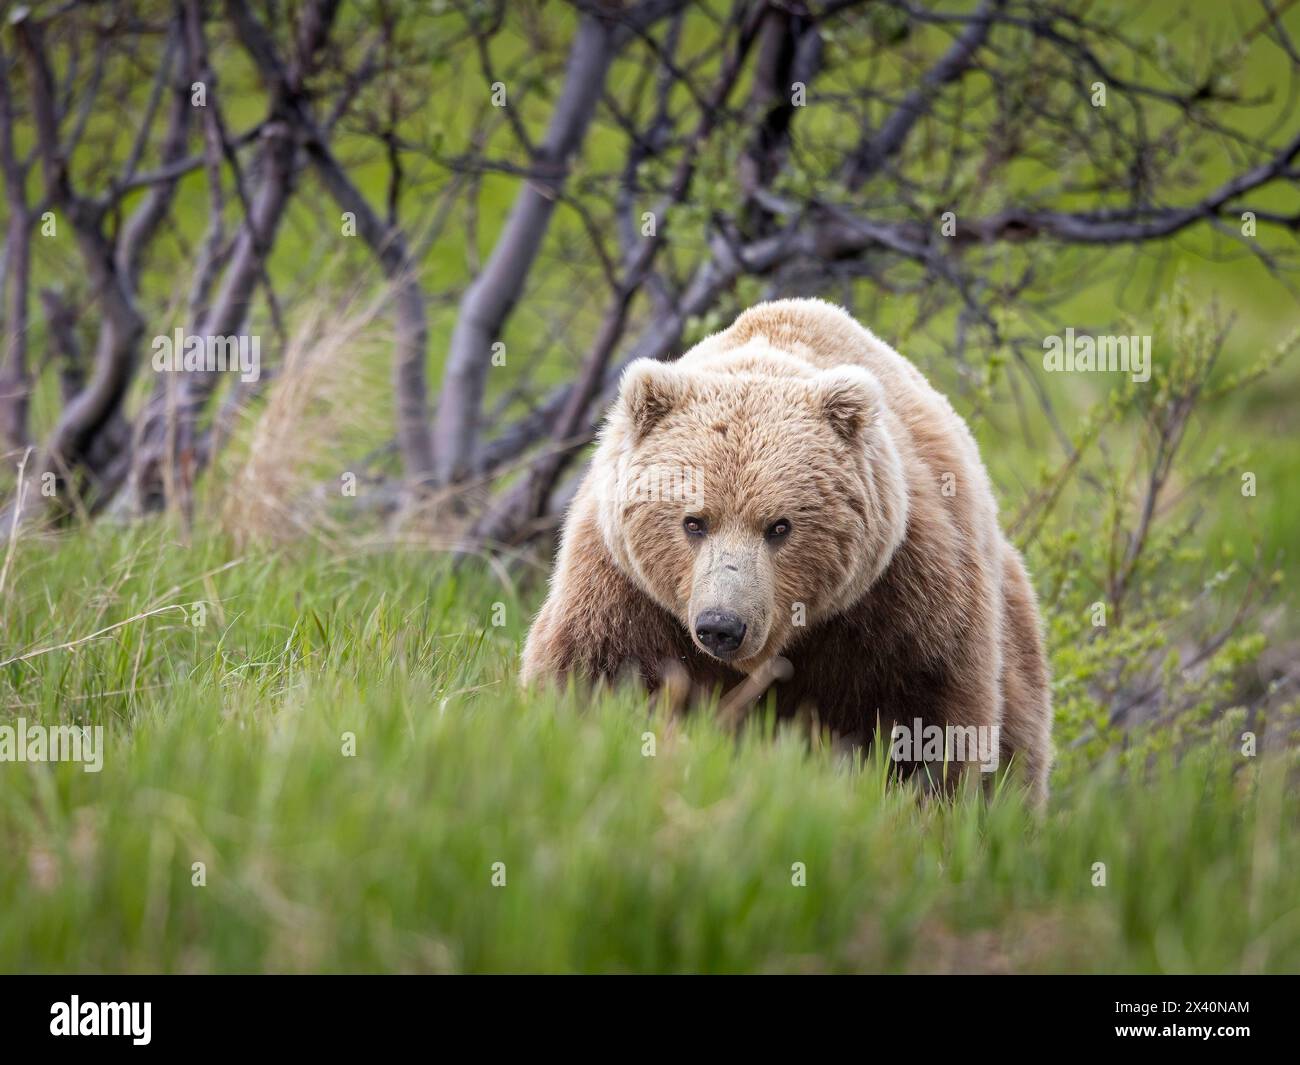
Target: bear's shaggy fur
x: 802, y: 478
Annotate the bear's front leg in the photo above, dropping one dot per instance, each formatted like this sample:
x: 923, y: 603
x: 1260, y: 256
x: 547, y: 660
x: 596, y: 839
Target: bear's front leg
x: 596, y: 625
x: 961, y: 738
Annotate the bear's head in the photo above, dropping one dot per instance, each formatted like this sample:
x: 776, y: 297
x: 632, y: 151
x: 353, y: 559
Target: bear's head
x: 750, y: 499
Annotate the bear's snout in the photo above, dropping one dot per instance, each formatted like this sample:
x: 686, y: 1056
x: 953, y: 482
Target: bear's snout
x: 720, y: 632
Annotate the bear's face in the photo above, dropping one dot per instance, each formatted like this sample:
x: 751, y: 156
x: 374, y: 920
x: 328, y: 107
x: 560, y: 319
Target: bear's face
x: 749, y: 503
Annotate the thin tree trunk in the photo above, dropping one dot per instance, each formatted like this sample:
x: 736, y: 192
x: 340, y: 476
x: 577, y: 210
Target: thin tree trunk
x: 15, y: 377
x: 489, y: 299
x: 226, y: 317
x: 15, y: 383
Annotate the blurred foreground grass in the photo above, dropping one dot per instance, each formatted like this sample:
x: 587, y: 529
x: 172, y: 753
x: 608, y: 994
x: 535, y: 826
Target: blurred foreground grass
x: 226, y: 746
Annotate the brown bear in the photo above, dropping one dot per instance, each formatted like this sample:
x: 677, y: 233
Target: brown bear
x: 794, y: 487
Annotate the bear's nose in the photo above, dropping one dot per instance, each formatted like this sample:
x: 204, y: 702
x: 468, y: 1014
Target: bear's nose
x: 720, y: 631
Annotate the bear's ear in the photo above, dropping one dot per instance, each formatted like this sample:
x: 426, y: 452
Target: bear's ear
x: 648, y: 392
x: 849, y: 398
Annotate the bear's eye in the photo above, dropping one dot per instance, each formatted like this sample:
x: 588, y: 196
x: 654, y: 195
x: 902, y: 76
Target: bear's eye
x: 695, y: 526
x: 778, y: 530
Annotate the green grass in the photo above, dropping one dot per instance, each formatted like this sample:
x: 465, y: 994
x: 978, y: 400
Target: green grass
x: 225, y: 746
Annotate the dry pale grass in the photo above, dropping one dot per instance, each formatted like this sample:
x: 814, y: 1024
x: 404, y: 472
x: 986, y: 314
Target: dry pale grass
x: 281, y: 478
